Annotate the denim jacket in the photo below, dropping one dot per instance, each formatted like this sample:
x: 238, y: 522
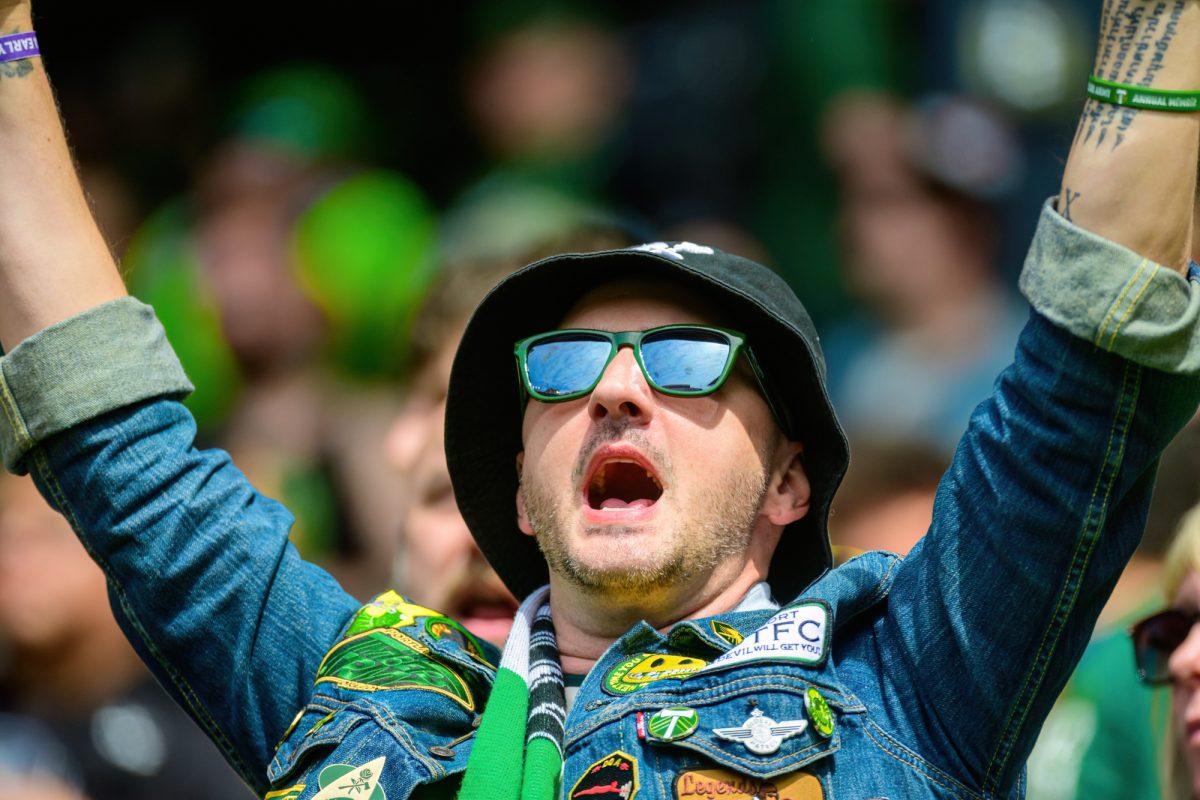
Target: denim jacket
x: 931, y: 674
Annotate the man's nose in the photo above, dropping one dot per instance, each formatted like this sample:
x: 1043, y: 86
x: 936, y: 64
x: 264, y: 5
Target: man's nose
x: 622, y: 392
x: 1184, y: 663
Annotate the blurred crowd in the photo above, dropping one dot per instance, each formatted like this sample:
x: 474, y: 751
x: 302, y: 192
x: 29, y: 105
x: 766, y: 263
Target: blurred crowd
x: 314, y: 235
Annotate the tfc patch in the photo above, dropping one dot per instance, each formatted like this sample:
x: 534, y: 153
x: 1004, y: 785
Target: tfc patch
x: 726, y: 632
x: 290, y: 793
x: 445, y: 628
x: 612, y: 777
x: 645, y: 668
x: 722, y: 784
x: 386, y: 659
x: 798, y: 634
x: 388, y: 610
x: 344, y: 782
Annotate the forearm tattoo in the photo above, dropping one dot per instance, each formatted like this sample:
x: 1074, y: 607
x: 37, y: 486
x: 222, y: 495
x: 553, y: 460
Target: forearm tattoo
x: 1135, y: 37
x: 15, y: 69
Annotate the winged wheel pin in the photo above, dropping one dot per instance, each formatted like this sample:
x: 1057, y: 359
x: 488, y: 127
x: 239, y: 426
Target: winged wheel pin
x: 761, y: 734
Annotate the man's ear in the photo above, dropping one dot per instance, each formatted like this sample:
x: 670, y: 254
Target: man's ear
x: 788, y: 489
x: 522, y: 519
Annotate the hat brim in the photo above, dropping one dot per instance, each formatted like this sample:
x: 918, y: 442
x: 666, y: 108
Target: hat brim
x: 483, y: 411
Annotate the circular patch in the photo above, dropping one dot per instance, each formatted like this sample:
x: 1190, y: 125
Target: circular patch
x: 672, y: 724
x: 819, y: 712
x: 645, y: 668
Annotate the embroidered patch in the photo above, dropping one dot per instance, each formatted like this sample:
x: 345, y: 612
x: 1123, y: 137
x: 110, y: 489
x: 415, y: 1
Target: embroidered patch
x: 290, y: 793
x: 722, y: 784
x: 727, y: 632
x: 614, y: 776
x: 645, y: 668
x: 387, y: 659
x: 798, y: 634
x: 446, y: 628
x: 388, y: 610
x: 344, y: 782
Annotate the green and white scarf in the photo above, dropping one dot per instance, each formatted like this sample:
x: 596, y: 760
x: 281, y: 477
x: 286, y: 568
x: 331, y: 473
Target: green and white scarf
x: 518, y: 751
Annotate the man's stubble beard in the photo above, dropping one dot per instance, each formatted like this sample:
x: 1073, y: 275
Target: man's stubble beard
x: 723, y: 518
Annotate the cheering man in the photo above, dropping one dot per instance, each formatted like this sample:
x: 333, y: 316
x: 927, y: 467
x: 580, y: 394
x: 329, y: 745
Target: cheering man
x: 647, y: 432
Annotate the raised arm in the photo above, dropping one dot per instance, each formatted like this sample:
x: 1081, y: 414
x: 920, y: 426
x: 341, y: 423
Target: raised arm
x: 1131, y: 174
x: 200, y: 571
x: 1047, y: 495
x: 53, y: 261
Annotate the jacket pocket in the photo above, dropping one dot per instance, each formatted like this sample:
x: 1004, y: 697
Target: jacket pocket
x: 761, y: 725
x: 317, y: 730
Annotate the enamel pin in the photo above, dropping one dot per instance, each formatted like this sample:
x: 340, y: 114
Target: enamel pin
x: 761, y: 734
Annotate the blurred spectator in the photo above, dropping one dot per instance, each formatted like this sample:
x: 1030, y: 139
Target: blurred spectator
x: 440, y: 565
x: 546, y: 93
x: 1104, y: 737
x: 29, y: 752
x: 920, y: 251
x: 287, y: 281
x: 886, y: 500
x: 68, y: 665
x: 1168, y: 652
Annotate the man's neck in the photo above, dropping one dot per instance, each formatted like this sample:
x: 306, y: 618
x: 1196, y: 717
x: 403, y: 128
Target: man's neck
x: 586, y: 624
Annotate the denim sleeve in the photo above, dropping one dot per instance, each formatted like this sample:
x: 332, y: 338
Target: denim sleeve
x: 201, y: 574
x: 1043, y: 505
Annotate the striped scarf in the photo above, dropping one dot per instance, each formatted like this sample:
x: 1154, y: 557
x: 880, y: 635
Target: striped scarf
x: 518, y: 752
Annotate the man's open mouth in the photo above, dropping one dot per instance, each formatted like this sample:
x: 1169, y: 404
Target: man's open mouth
x: 622, y: 480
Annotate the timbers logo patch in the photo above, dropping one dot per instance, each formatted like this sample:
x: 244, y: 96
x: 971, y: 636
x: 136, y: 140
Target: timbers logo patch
x: 613, y: 777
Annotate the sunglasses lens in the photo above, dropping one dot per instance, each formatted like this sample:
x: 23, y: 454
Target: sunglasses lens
x: 1155, y: 639
x: 686, y: 360
x: 566, y: 364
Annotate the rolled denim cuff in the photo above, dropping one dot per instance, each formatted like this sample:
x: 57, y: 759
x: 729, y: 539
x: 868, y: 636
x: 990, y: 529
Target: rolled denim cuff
x: 1114, y: 298
x: 102, y: 359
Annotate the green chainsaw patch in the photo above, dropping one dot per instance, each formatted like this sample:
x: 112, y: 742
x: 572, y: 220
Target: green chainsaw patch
x: 386, y: 659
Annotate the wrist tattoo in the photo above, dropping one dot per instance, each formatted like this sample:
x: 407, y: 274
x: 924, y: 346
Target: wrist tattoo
x: 1135, y: 37
x: 1068, y: 197
x: 15, y: 69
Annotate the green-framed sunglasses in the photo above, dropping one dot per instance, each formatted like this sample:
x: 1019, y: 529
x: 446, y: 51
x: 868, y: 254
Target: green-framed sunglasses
x: 676, y: 360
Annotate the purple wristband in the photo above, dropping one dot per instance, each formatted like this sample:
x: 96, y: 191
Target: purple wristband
x: 17, y: 46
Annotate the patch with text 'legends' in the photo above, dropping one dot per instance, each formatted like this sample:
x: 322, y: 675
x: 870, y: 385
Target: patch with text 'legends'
x: 722, y: 784
x: 797, y: 634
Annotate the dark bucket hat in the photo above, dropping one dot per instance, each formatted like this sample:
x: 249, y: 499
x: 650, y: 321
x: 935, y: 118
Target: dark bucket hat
x: 483, y: 417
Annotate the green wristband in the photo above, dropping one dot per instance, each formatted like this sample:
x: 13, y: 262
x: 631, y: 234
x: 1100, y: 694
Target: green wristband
x: 1126, y: 96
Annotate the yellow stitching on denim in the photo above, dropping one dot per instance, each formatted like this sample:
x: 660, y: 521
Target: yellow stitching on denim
x: 1121, y: 413
x: 1117, y: 303
x: 916, y: 763
x: 42, y: 464
x: 1133, y: 304
x: 13, y: 414
x: 400, y: 731
x: 1001, y: 742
